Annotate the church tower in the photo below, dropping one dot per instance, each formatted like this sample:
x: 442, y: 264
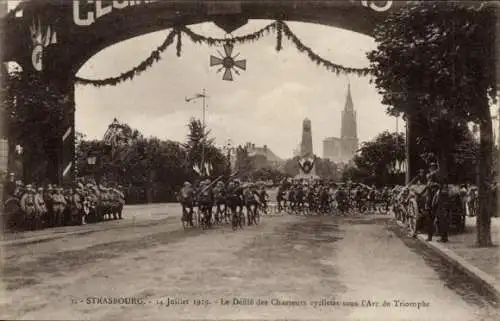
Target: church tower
x: 348, y: 129
x: 306, y: 148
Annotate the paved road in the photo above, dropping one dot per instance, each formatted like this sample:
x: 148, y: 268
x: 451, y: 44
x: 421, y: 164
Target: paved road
x: 358, y: 268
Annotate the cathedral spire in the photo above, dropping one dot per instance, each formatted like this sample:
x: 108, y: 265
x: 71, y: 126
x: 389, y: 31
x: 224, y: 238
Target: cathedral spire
x: 349, y: 106
x: 349, y: 125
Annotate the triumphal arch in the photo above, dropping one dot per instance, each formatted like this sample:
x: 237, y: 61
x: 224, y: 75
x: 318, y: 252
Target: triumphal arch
x: 54, y: 38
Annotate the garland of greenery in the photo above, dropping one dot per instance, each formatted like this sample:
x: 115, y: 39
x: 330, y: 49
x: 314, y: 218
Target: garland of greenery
x: 319, y: 60
x: 279, y: 27
x: 179, y: 43
x: 252, y: 37
x: 279, y: 36
x: 153, y: 57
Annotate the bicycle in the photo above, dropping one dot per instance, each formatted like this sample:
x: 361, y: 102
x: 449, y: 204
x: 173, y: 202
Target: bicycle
x: 236, y: 219
x: 256, y: 216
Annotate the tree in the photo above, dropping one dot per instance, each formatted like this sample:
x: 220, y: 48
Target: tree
x: 197, y: 145
x: 379, y: 160
x: 438, y: 60
x: 267, y: 173
x: 326, y: 169
x: 292, y: 167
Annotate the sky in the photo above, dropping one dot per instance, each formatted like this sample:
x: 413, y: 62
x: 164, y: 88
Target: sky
x: 265, y: 104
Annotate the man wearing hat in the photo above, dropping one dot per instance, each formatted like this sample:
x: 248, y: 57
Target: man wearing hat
x: 49, y: 204
x: 9, y: 186
x: 40, y: 205
x: 77, y: 204
x: 28, y: 204
x: 187, y: 202
x: 120, y: 196
x: 435, y: 193
x: 220, y: 201
x: 250, y: 202
x: 263, y: 197
x: 59, y: 204
x: 280, y: 196
x: 206, y: 201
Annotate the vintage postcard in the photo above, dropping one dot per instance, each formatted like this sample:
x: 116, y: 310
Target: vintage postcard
x: 249, y: 160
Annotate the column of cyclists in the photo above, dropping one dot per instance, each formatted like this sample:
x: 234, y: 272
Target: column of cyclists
x: 212, y: 203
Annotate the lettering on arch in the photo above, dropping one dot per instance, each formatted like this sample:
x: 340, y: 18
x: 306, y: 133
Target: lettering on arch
x: 87, y: 12
x: 376, y: 5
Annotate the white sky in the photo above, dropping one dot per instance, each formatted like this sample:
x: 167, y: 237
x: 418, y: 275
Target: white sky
x: 264, y: 105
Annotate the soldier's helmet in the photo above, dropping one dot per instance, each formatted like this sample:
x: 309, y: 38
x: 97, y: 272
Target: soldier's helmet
x: 40, y: 190
x: 433, y: 166
x: 187, y: 184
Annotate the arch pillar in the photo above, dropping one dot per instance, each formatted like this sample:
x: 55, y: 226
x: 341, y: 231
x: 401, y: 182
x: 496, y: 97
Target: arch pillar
x: 49, y: 110
x: 62, y: 157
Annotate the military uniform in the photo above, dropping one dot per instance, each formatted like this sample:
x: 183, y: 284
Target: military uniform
x: 120, y: 199
x: 187, y: 202
x: 49, y: 203
x: 77, y: 205
x: 40, y: 205
x: 27, y: 204
x: 437, y: 205
x: 59, y: 202
x: 10, y: 187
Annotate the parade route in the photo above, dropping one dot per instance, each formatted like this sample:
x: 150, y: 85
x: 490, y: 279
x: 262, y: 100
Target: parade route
x: 296, y: 267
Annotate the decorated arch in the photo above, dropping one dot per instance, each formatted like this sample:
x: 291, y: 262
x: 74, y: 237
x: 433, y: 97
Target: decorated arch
x: 54, y: 38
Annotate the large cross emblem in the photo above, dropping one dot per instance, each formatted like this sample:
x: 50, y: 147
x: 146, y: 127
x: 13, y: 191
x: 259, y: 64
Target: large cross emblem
x: 228, y: 62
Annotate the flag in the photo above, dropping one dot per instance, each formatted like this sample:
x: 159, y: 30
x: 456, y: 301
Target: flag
x: 195, y: 97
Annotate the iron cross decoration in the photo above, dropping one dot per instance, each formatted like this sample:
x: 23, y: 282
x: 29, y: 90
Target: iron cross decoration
x: 228, y: 62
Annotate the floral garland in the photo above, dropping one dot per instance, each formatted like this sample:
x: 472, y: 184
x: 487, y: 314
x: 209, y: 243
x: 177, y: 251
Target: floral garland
x: 319, y: 60
x: 252, y: 37
x: 137, y: 70
x: 280, y: 27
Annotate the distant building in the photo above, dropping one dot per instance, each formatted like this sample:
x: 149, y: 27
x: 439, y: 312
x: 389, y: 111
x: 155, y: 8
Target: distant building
x: 343, y: 149
x: 296, y: 151
x: 264, y: 157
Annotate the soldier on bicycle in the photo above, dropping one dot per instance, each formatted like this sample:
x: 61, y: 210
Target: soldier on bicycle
x: 187, y: 202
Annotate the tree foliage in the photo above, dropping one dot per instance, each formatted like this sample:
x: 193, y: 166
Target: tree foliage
x: 437, y: 60
x: 150, y: 169
x: 327, y: 169
x: 379, y: 161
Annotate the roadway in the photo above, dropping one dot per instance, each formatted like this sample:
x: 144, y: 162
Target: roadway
x: 289, y: 267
